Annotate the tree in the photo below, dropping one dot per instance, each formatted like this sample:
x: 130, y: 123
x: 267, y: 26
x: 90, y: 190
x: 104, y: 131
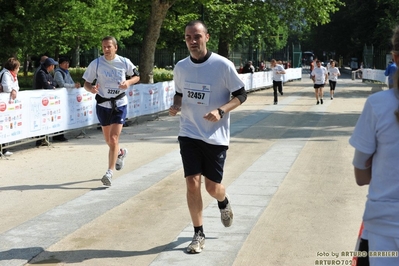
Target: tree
x: 356, y: 24
x: 58, y: 26
x: 159, y: 9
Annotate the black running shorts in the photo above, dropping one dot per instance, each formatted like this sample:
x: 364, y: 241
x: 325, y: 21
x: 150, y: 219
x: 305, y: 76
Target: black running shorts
x: 200, y: 157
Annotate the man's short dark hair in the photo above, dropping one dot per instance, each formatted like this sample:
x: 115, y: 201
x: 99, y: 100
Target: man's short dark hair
x: 194, y: 22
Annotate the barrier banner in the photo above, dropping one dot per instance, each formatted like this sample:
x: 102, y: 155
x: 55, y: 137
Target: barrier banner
x: 42, y: 112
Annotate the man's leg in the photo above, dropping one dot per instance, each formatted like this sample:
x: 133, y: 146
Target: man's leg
x: 316, y: 93
x: 321, y: 94
x: 195, y: 205
x: 111, y: 135
x: 218, y: 191
x: 194, y: 198
x: 275, y: 92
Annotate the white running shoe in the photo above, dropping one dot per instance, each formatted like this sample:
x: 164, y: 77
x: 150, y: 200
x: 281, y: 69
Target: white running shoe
x: 8, y: 153
x: 197, y: 244
x: 226, y: 214
x: 119, y: 162
x: 107, y: 179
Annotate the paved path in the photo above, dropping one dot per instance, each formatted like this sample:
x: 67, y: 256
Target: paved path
x: 288, y: 173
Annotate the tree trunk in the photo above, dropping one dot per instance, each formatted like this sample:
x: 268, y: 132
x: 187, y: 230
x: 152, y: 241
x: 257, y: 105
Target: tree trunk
x: 223, y: 46
x: 159, y: 9
x: 75, y: 60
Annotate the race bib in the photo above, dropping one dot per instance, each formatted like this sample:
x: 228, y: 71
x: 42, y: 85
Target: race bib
x: 198, y: 94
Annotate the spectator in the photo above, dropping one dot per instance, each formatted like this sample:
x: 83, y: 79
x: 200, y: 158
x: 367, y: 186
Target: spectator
x: 9, y: 84
x: 44, y: 80
x: 9, y: 77
x: 42, y: 59
x: 248, y: 68
x: 63, y: 79
x: 262, y: 66
x: 62, y: 76
x: 110, y: 71
x: 390, y: 72
x: 241, y: 69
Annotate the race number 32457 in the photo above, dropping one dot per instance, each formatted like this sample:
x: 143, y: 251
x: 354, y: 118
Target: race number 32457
x: 196, y: 95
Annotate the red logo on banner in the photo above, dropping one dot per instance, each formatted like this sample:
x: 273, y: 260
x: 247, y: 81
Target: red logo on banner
x: 45, y: 101
x: 3, y: 106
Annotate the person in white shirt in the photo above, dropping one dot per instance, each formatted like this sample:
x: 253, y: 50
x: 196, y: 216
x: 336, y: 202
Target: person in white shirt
x: 376, y: 163
x: 207, y: 87
x: 277, y: 72
x: 319, y: 76
x: 329, y: 64
x: 9, y: 84
x: 333, y: 74
x: 9, y: 77
x: 110, y: 72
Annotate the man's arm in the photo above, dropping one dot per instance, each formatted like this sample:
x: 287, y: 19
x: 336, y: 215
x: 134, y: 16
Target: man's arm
x: 362, y: 176
x: 133, y: 80
x: 281, y: 70
x: 90, y: 88
x: 362, y: 165
x: 175, y: 108
x: 239, y: 97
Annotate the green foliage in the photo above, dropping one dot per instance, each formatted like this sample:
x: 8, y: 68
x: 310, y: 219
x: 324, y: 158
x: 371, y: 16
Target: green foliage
x: 355, y: 24
x: 56, y: 27
x: 161, y: 74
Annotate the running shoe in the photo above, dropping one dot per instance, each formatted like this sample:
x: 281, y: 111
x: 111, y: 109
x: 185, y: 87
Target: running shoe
x: 226, y: 214
x: 197, y: 244
x: 8, y: 153
x: 107, y: 179
x: 119, y: 162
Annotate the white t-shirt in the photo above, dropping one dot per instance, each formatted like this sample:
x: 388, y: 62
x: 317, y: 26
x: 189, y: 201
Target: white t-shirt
x: 333, y: 73
x: 205, y: 87
x: 277, y: 77
x: 109, y: 75
x: 8, y: 81
x: 320, y: 74
x: 377, y: 132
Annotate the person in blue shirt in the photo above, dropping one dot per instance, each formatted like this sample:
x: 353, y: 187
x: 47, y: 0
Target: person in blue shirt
x: 390, y: 72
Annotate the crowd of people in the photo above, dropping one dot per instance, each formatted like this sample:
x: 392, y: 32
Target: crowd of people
x: 42, y: 79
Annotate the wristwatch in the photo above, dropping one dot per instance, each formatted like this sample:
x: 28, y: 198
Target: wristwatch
x: 221, y: 112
